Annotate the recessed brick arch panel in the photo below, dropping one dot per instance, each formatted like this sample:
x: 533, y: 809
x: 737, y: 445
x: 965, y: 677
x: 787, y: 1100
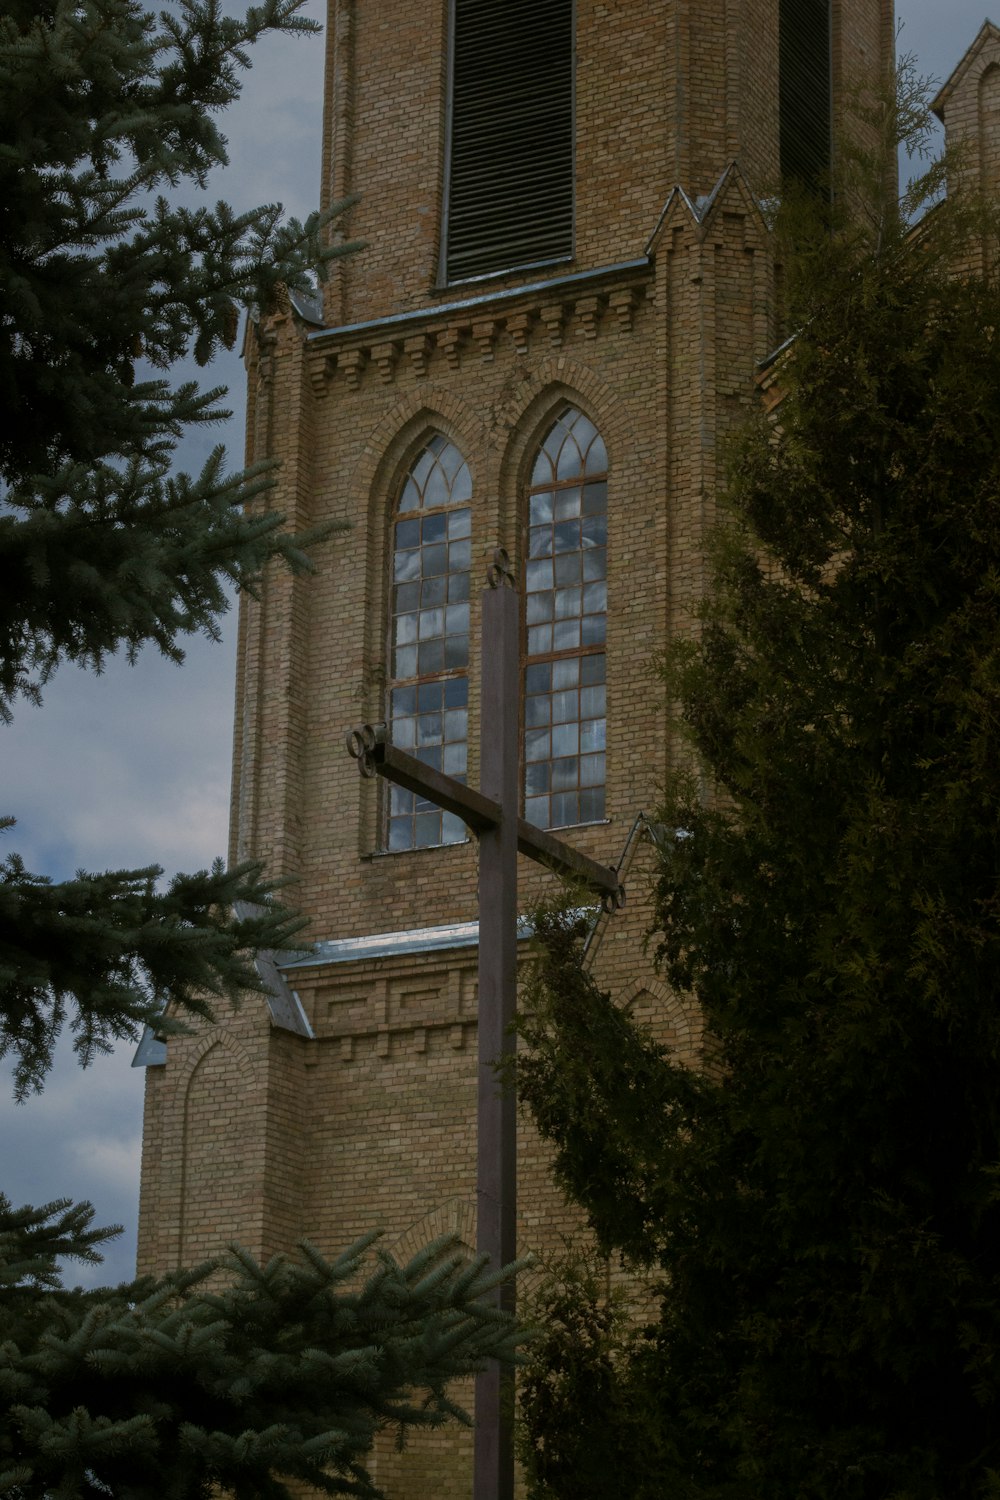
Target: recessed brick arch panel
x: 675, y: 1020
x: 217, y: 1191
x: 455, y: 1217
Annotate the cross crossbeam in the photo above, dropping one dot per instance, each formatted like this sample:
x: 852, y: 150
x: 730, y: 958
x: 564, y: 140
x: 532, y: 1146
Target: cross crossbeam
x: 492, y: 814
x: 370, y: 746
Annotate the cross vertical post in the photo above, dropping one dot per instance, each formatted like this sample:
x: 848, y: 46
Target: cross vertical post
x: 497, y: 1111
x: 492, y: 815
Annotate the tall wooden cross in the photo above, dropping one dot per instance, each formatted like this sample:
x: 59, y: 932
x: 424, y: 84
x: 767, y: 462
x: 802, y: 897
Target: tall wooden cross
x: 492, y: 814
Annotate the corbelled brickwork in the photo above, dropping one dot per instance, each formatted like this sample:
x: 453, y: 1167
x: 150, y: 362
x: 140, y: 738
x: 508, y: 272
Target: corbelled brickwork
x: 653, y: 331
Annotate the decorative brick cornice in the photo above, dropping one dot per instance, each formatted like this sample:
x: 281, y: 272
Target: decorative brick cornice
x: 534, y: 319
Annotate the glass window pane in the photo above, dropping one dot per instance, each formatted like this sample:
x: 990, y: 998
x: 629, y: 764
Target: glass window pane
x: 537, y: 744
x: 597, y: 456
x: 404, y: 733
x: 565, y: 706
x: 538, y: 608
x: 566, y: 536
x: 592, y: 805
x: 540, y: 541
x: 566, y: 635
x: 566, y: 673
x: 457, y: 620
x: 453, y: 760
x: 458, y: 587
x: 537, y: 710
x: 594, y: 630
x: 429, y: 727
x: 538, y: 576
x: 459, y: 524
x: 403, y: 700
x: 567, y: 504
x: 406, y: 629
x: 405, y: 662
x: 565, y: 773
x: 400, y: 833
x: 565, y: 739
x: 568, y: 602
x: 539, y: 639
x: 431, y: 623
x: 406, y: 566
x: 592, y: 770
x: 592, y: 732
x: 540, y: 509
x: 436, y: 490
x: 536, y: 778
x: 452, y: 829
x: 595, y: 499
x: 564, y: 809
x: 430, y: 658
x: 435, y: 529
x: 592, y: 668
x: 427, y: 829
x: 456, y: 692
x: 570, y: 461
x: 566, y: 568
x: 594, y: 564
x: 538, y: 678
x: 456, y: 653
x: 592, y: 702
x: 435, y: 560
x: 429, y: 697
x: 461, y: 490
x: 432, y: 591
x: 536, y: 811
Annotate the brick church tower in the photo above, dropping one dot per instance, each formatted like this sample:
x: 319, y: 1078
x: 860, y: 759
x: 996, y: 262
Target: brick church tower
x: 565, y: 291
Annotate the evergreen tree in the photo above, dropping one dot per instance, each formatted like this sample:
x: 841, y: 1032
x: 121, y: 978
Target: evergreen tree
x: 105, y: 108
x: 233, y: 1374
x: 821, y: 1201
x: 175, y: 1389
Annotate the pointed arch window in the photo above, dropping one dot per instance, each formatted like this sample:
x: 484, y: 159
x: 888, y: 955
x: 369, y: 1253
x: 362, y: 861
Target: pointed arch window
x: 429, y: 636
x: 565, y: 623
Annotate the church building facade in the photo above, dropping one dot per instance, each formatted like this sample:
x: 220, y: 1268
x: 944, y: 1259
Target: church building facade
x: 564, y: 295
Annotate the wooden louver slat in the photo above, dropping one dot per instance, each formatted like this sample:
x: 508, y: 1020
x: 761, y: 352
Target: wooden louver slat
x: 510, y: 172
x: 804, y: 114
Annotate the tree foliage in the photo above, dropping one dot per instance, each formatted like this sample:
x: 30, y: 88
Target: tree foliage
x: 112, y: 272
x: 821, y: 1201
x: 232, y: 1375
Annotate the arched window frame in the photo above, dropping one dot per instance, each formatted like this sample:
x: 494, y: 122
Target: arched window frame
x: 428, y: 635
x: 565, y: 619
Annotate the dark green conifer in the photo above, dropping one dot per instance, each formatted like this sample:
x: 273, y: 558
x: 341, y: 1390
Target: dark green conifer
x: 821, y: 1202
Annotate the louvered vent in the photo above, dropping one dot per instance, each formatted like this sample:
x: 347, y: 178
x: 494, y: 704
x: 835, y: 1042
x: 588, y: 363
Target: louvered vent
x: 804, y: 90
x: 510, y: 173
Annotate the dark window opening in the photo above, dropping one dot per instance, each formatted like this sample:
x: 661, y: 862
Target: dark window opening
x: 509, y: 187
x: 805, y: 92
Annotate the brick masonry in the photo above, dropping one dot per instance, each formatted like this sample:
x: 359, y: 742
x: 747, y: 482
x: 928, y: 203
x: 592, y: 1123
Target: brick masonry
x: 255, y: 1133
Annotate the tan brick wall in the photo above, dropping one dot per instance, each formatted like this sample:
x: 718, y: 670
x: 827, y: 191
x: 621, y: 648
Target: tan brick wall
x: 373, y: 1122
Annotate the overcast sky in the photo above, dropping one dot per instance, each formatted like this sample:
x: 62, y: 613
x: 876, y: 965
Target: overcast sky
x: 133, y: 767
